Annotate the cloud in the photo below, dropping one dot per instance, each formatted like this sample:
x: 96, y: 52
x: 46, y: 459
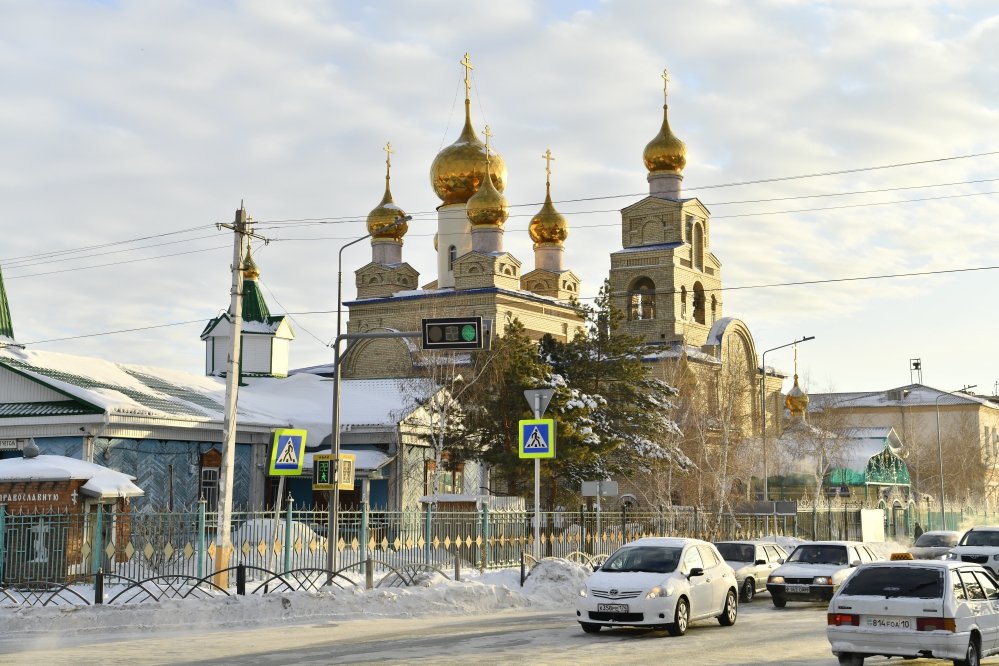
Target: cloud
x: 134, y: 119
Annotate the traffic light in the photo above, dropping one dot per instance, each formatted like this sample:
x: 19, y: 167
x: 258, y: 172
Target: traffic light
x: 456, y: 333
x: 322, y: 472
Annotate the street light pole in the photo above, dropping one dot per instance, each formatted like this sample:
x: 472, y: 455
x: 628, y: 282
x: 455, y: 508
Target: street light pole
x: 943, y: 513
x: 333, y: 527
x: 763, y: 396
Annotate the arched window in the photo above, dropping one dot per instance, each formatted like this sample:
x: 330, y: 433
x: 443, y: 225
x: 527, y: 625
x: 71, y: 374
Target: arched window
x: 698, y: 303
x: 683, y: 302
x: 714, y: 309
x: 452, y: 254
x: 698, y: 243
x: 643, y: 299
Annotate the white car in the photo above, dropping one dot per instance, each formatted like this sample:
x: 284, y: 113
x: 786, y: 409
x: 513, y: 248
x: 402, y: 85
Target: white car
x: 979, y: 545
x: 934, y: 545
x: 752, y: 561
x: 815, y: 570
x: 916, y: 608
x: 659, y: 582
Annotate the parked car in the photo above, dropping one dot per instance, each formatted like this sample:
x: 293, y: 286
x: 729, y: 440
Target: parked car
x: 752, y: 561
x: 814, y: 571
x: 979, y: 545
x: 934, y: 545
x: 915, y: 608
x: 658, y: 582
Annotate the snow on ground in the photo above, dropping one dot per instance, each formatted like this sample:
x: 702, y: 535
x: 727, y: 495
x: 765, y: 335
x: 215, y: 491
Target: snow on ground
x: 551, y: 586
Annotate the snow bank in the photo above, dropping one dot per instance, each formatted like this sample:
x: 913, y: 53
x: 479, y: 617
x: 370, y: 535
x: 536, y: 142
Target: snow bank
x: 552, y: 586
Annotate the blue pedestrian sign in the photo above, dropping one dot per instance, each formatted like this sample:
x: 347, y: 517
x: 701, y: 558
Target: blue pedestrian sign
x: 288, y: 452
x: 537, y: 438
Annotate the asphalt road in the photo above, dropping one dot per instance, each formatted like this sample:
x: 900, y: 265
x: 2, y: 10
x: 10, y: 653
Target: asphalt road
x: 763, y: 634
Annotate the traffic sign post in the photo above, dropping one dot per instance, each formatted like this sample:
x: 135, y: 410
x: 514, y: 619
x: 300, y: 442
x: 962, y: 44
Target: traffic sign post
x: 538, y: 399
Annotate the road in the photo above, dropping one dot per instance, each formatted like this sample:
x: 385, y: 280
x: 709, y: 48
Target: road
x: 762, y: 634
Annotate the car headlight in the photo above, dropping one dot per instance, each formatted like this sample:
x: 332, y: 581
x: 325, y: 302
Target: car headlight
x: 582, y: 590
x: 659, y: 592
x: 777, y: 580
x: 822, y: 580
x: 996, y: 556
x: 950, y: 556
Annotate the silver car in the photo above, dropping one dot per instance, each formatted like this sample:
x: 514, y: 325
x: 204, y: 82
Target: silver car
x: 752, y: 561
x: 934, y: 545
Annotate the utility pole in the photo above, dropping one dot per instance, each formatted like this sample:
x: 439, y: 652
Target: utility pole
x: 223, y: 538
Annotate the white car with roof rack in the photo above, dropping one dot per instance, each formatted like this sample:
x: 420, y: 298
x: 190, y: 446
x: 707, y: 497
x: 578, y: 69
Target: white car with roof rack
x: 915, y: 608
x: 659, y: 583
x: 979, y: 545
x: 815, y: 570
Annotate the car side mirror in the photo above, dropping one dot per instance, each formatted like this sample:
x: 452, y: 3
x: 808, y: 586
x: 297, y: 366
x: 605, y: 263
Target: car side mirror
x: 855, y: 563
x: 781, y: 560
x: 596, y: 568
x: 759, y: 562
x: 696, y: 571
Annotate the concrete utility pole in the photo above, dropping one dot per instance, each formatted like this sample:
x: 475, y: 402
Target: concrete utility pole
x: 223, y: 538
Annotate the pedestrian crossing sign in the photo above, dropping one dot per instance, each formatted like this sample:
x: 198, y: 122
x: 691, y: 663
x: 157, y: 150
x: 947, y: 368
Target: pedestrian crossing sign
x: 288, y: 452
x: 537, y: 438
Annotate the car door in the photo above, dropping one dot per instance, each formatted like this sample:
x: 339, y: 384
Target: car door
x: 980, y: 608
x: 991, y: 591
x: 701, y: 601
x: 714, y: 572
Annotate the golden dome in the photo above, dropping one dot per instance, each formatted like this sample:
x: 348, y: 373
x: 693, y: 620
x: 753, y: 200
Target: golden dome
x: 459, y: 169
x: 386, y: 212
x: 487, y: 207
x: 796, y: 400
x: 250, y: 270
x: 548, y: 227
x: 665, y: 152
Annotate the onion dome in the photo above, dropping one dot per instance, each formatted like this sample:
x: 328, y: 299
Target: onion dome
x: 458, y: 170
x: 250, y: 269
x: 548, y: 227
x: 796, y: 399
x: 487, y: 207
x: 665, y: 152
x: 386, y: 212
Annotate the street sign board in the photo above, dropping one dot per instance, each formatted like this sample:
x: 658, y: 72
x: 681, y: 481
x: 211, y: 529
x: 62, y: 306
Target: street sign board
x: 542, y: 397
x: 322, y: 471
x: 288, y: 452
x: 603, y: 488
x: 537, y: 438
x: 348, y: 462
x: 453, y: 334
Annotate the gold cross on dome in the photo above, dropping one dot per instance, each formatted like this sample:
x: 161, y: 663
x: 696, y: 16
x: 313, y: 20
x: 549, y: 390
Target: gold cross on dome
x: 665, y: 83
x: 547, y: 157
x: 487, y: 134
x: 388, y: 157
x: 467, y: 64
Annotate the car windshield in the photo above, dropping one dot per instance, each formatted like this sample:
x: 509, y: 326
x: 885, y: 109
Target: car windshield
x: 654, y: 559
x: 737, y: 552
x: 981, y: 538
x: 912, y: 582
x: 819, y: 555
x: 936, y: 541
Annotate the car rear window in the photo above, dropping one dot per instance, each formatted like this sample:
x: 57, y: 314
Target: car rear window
x: 981, y: 538
x: 737, y: 552
x: 819, y: 555
x: 936, y: 541
x: 911, y: 582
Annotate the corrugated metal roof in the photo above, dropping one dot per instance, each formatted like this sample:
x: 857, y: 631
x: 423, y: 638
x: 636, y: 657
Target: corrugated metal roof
x: 10, y: 410
x: 6, y: 325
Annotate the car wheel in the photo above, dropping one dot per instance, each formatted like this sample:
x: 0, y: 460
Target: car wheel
x: 971, y: 657
x: 589, y: 627
x: 680, y: 618
x: 851, y: 659
x: 731, y: 610
x: 779, y: 602
x: 748, y: 590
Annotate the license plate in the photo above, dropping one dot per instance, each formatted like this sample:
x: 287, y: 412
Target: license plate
x: 612, y: 608
x: 797, y: 589
x: 884, y: 622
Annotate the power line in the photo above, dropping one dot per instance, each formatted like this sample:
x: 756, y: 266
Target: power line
x: 124, y: 330
x: 288, y: 314
x: 103, y: 245
x: 118, y: 263
x: 103, y: 254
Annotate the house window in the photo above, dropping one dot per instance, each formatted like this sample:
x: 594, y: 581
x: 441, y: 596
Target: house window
x: 452, y: 481
x: 211, y: 464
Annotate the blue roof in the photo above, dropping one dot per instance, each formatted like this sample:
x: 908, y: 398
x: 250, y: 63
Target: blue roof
x: 649, y: 248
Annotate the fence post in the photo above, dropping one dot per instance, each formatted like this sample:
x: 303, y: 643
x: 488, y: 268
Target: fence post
x: 3, y: 540
x: 815, y: 523
x: 582, y: 528
x: 364, y: 537
x: 426, y: 536
x: 287, y: 534
x: 241, y: 579
x: 99, y: 587
x: 624, y: 526
x: 98, y: 546
x: 694, y: 535
x: 522, y: 568
x: 369, y: 574
x: 201, y: 538
x: 485, y: 536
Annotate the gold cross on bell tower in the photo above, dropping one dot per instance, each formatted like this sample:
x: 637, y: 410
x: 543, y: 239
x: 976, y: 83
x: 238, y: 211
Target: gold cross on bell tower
x: 487, y: 134
x: 665, y: 83
x: 467, y: 64
x: 388, y: 158
x: 547, y: 157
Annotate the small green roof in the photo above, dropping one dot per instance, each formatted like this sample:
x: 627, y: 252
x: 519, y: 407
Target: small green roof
x: 6, y: 325
x: 254, y: 306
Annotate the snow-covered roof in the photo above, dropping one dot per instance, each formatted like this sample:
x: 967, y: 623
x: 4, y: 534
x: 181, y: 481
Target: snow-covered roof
x: 905, y: 396
x: 101, y: 481
x: 648, y: 248
x: 673, y: 350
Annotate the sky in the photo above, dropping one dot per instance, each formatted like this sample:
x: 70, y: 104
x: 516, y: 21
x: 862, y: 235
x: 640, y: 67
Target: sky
x: 134, y: 120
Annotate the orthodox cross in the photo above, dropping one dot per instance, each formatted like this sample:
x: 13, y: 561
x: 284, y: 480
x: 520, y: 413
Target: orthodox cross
x: 487, y: 134
x: 547, y: 157
x: 796, y: 359
x: 388, y: 158
x: 467, y: 64
x: 665, y: 83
